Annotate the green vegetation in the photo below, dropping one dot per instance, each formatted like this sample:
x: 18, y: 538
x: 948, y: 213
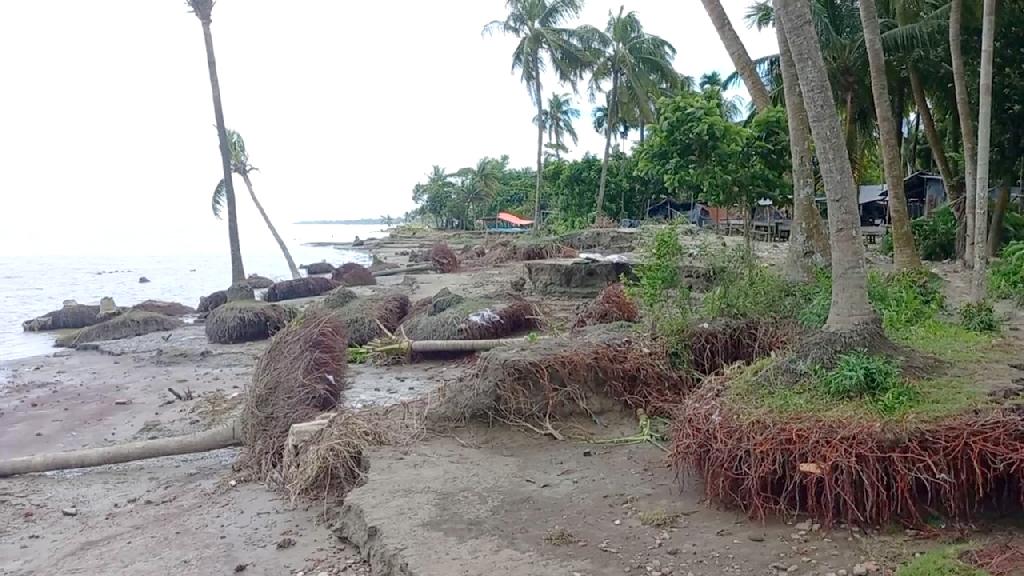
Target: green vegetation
x: 873, y: 379
x: 658, y: 519
x: 979, y: 317
x: 905, y: 299
x: 1006, y: 275
x: 658, y: 288
x: 941, y: 562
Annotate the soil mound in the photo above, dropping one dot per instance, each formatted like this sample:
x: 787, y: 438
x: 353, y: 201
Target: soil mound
x: 246, y: 321
x: 448, y: 316
x: 352, y: 274
x: 127, y: 325
x: 300, y: 288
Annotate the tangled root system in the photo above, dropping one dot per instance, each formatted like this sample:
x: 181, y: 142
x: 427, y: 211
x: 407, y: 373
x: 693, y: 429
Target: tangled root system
x: 859, y: 472
x: 300, y: 375
x: 447, y: 316
x: 443, y: 259
x: 367, y: 319
x: 300, y: 288
x: 127, y: 325
x: 352, y: 274
x: 713, y: 346
x: 611, y: 305
x: 246, y: 321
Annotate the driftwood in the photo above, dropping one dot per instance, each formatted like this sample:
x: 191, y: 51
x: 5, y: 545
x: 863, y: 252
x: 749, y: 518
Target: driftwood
x: 220, y: 437
x: 406, y: 270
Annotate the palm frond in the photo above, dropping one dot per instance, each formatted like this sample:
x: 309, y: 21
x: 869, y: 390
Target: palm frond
x: 217, y: 202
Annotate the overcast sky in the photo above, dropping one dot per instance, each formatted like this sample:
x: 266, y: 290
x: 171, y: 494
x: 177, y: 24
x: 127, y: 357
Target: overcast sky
x: 106, y: 122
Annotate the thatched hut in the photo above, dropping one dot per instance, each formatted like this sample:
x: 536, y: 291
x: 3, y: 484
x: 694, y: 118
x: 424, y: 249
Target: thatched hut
x: 300, y: 288
x: 245, y: 321
x: 127, y: 325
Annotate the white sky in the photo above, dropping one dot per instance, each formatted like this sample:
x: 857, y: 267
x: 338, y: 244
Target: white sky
x: 106, y: 123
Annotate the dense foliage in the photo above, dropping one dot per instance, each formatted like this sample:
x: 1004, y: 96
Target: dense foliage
x: 1006, y: 276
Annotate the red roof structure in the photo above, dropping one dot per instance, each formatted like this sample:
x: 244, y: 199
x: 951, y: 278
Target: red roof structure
x: 513, y: 219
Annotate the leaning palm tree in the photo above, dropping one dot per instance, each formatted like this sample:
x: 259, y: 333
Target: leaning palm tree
x: 557, y: 120
x: 850, y: 309
x: 988, y: 31
x: 904, y: 255
x: 633, y: 67
x: 963, y: 108
x: 203, y: 9
x: 240, y: 165
x: 738, y: 53
x: 543, y: 40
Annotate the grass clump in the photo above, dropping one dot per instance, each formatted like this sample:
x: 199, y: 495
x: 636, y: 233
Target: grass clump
x: 941, y: 562
x: 934, y: 236
x: 906, y: 298
x: 658, y: 519
x: 979, y: 317
x: 1006, y: 275
x: 875, y: 379
x: 558, y: 536
x: 946, y: 341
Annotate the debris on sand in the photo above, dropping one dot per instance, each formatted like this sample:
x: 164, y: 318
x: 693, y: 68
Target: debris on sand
x: 71, y: 316
x: 246, y: 321
x: 318, y: 268
x: 165, y: 308
x: 132, y: 323
x: 369, y: 318
x: 353, y: 274
x: 301, y: 375
x: 611, y: 305
x: 448, y: 316
x: 259, y: 282
x: 443, y: 259
x: 300, y: 288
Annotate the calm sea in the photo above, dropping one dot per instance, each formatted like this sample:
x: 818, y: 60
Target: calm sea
x: 31, y: 286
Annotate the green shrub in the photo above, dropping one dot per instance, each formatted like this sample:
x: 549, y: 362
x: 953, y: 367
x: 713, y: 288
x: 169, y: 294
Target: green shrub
x: 934, y: 236
x: 905, y: 299
x: 1006, y: 274
x: 658, y: 286
x: 814, y: 300
x: 979, y: 317
x: 877, y: 379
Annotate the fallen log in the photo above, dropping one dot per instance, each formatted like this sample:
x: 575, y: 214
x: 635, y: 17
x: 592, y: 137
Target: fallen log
x: 405, y: 270
x: 220, y: 437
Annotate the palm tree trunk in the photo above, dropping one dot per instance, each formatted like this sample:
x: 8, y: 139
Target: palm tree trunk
x: 963, y: 108
x: 984, y: 140
x: 995, y: 231
x: 237, y: 270
x: 738, y: 53
x: 611, y: 120
x: 850, y: 308
x: 904, y: 255
x: 540, y: 145
x: 851, y: 131
x: 932, y: 134
x: 273, y: 231
x: 808, y: 245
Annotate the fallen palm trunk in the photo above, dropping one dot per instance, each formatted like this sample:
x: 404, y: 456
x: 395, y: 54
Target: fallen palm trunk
x: 383, y: 350
x: 221, y: 437
x: 406, y: 270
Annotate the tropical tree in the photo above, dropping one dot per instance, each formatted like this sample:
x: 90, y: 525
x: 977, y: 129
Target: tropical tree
x: 478, y: 185
x: 543, y: 40
x: 904, y: 255
x: 203, y: 9
x: 984, y: 139
x: 557, y: 119
x: 850, y: 308
x: 632, y: 66
x: 966, y: 117
x: 738, y: 53
x: 240, y: 165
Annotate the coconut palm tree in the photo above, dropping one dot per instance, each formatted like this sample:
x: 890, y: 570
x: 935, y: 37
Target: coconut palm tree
x: 479, y: 184
x: 966, y: 116
x: 738, y: 53
x: 240, y: 165
x: 203, y: 9
x: 808, y: 244
x: 543, y: 40
x: 850, y: 308
x: 988, y: 31
x: 557, y: 120
x: 904, y: 255
x: 633, y: 66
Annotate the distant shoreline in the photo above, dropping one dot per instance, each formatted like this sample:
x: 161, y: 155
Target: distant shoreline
x: 360, y: 221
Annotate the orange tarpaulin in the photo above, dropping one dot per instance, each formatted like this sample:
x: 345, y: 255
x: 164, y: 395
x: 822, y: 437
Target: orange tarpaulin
x: 513, y: 219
